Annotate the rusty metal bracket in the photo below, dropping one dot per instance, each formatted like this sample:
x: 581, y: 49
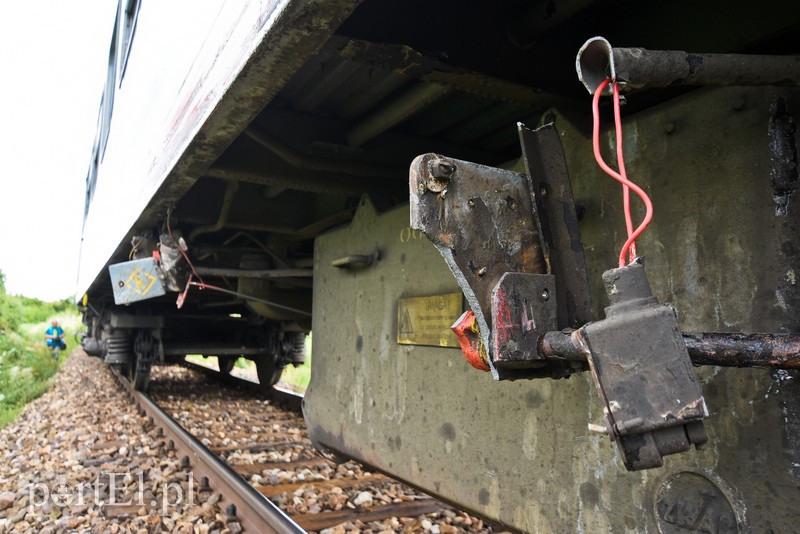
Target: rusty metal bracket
x: 486, y: 223
x: 551, y: 190
x: 482, y: 221
x: 523, y: 310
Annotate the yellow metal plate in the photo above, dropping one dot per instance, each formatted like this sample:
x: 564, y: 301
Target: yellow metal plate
x: 427, y: 320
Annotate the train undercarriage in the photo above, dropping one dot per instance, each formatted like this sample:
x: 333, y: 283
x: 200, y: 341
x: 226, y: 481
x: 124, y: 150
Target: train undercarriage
x: 377, y: 171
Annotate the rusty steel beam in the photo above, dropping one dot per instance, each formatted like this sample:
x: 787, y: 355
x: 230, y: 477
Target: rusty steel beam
x: 636, y: 68
x: 776, y: 351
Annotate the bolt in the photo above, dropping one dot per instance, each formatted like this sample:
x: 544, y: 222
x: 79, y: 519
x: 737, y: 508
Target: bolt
x: 543, y: 192
x: 481, y: 272
x: 471, y: 202
x: 442, y: 170
x: 545, y: 294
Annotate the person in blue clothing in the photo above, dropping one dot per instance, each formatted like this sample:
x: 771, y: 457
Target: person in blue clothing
x: 55, y: 338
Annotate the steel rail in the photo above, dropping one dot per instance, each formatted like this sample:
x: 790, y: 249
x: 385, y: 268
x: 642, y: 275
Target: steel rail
x: 255, y: 512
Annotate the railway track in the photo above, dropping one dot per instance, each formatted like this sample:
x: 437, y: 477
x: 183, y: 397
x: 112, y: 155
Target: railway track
x: 253, y: 450
x: 256, y: 513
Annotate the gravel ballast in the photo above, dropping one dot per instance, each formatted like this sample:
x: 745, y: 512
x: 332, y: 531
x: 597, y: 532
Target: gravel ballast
x: 81, y: 459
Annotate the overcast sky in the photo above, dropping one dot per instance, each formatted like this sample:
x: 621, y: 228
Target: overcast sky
x: 53, y: 56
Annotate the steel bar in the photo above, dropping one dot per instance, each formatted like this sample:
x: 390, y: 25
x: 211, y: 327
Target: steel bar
x: 313, y: 182
x: 219, y: 350
x: 636, y: 68
x: 318, y: 163
x: 777, y: 351
x: 254, y: 273
x: 414, y: 100
x: 224, y: 211
x: 256, y: 512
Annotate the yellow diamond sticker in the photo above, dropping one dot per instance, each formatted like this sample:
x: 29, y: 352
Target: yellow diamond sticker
x: 140, y: 281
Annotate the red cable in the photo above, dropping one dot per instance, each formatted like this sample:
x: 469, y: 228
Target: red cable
x: 626, y: 191
x: 629, y: 248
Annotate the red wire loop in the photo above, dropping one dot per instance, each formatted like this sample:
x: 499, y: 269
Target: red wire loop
x: 629, y: 248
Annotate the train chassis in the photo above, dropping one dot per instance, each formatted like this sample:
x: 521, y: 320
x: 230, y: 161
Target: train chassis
x: 134, y: 343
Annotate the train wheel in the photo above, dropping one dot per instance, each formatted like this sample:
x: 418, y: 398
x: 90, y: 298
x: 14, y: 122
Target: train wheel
x: 269, y: 372
x: 138, y: 374
x: 141, y: 360
x: 226, y: 364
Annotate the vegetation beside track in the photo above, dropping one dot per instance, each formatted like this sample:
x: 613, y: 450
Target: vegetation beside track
x: 293, y: 378
x: 26, y: 365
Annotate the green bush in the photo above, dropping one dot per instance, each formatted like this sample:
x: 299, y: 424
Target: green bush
x: 26, y: 364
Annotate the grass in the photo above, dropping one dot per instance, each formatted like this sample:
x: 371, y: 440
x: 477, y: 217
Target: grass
x: 27, y: 366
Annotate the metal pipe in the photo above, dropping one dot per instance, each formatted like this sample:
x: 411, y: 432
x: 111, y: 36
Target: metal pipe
x: 272, y: 254
x: 635, y: 68
x: 219, y: 350
x: 312, y: 182
x: 224, y: 211
x: 413, y: 101
x: 264, y: 274
x: 777, y: 351
x: 317, y: 163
